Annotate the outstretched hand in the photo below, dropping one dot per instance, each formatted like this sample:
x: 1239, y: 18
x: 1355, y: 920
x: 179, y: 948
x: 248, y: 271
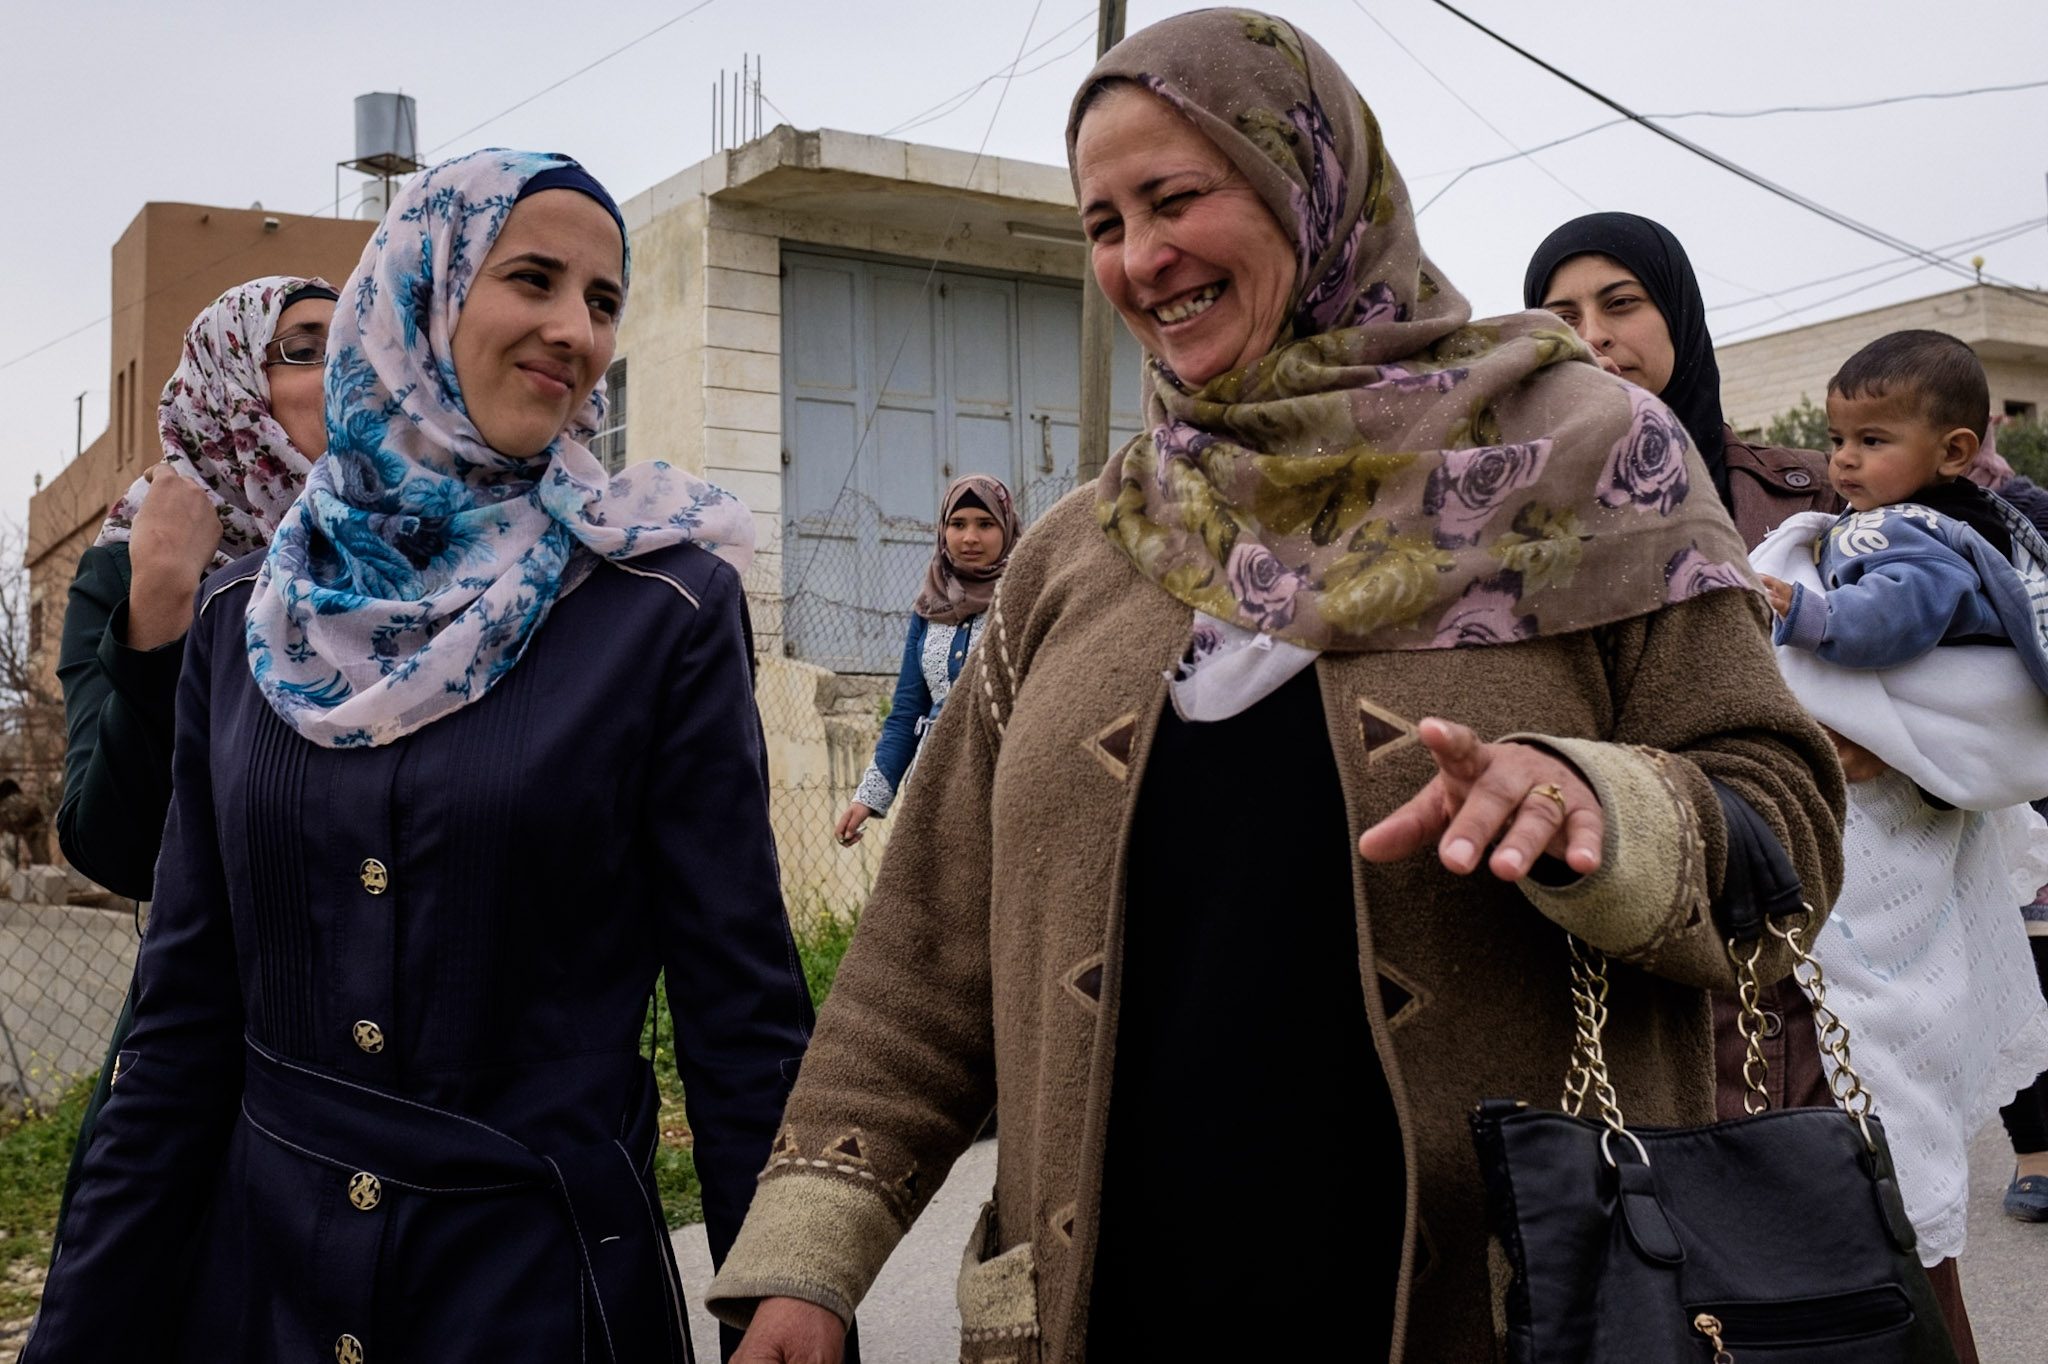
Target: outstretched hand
x: 1492, y: 794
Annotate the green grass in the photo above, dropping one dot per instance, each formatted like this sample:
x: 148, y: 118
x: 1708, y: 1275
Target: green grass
x: 34, y: 1154
x: 821, y: 941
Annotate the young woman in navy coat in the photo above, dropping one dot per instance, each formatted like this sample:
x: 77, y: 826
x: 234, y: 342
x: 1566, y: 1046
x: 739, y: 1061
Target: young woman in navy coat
x: 461, y: 762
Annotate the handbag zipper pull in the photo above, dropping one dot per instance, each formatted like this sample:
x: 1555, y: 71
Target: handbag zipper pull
x: 1709, y: 1325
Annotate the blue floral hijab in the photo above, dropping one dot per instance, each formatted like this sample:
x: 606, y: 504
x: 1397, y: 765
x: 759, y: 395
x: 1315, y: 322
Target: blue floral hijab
x: 420, y: 563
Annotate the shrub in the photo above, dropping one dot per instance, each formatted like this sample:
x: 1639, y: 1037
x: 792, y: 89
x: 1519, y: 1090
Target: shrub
x: 2024, y: 444
x: 822, y: 937
x: 1805, y: 427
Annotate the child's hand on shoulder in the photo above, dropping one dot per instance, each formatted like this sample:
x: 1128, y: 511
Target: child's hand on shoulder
x: 1779, y: 592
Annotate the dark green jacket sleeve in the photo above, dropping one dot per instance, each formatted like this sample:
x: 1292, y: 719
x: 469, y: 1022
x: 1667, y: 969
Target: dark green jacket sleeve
x: 119, y: 705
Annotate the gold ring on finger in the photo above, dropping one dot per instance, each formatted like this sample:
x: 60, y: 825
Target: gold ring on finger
x: 1551, y: 791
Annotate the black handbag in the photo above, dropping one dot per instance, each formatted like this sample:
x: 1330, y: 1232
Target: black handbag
x: 1779, y: 1236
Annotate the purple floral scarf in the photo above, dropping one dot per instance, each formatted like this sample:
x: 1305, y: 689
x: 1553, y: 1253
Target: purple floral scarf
x: 1391, y: 475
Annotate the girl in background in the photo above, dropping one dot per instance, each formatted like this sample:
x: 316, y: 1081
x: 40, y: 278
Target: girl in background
x: 977, y: 529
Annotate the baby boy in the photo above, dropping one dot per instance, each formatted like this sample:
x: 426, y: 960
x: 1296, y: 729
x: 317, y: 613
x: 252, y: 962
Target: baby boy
x: 1923, y: 556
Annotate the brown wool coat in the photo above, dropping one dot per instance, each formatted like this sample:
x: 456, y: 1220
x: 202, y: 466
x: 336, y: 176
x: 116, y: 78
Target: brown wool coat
x: 986, y: 968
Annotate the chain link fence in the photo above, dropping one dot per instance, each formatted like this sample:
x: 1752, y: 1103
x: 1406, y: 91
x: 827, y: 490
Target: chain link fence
x: 831, y: 614
x: 831, y: 620
x: 67, y: 953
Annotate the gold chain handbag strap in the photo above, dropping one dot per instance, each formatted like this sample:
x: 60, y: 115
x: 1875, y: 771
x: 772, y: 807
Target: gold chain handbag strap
x: 1588, y: 1073
x: 1846, y: 1085
x: 1587, y: 1076
x: 1749, y: 1022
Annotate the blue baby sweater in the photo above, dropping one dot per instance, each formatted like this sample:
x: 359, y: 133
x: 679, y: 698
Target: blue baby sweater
x: 1903, y: 579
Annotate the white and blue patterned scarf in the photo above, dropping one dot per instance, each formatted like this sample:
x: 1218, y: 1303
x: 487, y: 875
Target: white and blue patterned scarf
x: 419, y: 564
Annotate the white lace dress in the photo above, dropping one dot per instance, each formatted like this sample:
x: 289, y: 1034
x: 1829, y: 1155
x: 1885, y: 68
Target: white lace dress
x: 1928, y: 965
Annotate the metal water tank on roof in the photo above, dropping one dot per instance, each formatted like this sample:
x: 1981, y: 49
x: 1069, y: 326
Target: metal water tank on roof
x: 387, y: 135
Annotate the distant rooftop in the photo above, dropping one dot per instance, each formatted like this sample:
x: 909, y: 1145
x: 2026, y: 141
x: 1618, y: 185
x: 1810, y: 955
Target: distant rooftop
x: 857, y: 177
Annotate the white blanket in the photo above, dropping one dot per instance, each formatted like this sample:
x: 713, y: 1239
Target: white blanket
x: 1964, y: 721
x: 1927, y: 963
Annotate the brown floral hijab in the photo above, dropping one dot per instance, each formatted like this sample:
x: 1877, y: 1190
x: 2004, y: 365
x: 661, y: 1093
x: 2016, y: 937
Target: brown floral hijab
x: 1391, y: 475
x: 954, y: 594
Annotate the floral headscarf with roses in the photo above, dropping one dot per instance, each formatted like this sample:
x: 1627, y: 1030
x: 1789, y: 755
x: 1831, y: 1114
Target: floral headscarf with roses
x: 1391, y: 475
x: 421, y: 562
x: 216, y: 424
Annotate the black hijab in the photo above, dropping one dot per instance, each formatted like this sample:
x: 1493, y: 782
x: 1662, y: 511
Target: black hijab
x: 1653, y: 255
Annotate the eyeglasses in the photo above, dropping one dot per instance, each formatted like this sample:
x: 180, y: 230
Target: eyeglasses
x: 300, y: 348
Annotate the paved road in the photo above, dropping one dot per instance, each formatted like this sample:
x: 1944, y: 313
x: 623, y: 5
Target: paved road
x: 909, y: 1318
x: 2005, y: 1263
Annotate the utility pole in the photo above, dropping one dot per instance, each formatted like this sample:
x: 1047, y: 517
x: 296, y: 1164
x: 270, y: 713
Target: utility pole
x: 1098, y: 319
x: 80, y: 449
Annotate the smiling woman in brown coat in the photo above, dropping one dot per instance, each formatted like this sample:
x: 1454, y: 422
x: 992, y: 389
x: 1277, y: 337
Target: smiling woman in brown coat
x: 1191, y: 885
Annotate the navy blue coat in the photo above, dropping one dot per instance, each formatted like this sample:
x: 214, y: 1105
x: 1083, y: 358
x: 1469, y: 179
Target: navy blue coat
x: 384, y: 1097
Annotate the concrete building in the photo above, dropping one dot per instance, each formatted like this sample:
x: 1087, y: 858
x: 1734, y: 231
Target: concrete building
x: 2008, y: 328
x: 834, y: 326
x: 172, y: 261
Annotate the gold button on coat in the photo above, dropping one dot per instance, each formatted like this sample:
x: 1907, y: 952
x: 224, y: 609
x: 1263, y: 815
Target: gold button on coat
x: 348, y: 1350
x: 365, y: 1189
x: 369, y: 1036
x: 375, y: 877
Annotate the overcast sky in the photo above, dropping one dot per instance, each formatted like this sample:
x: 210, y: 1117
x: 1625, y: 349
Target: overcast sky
x: 109, y: 105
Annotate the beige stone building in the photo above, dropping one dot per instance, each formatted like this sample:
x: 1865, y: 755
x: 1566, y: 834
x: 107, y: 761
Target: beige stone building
x: 2008, y: 328
x: 830, y: 325
x: 833, y: 326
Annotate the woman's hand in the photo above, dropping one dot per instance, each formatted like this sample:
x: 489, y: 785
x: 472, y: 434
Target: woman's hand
x: 848, y: 830
x: 172, y: 545
x: 1488, y: 793
x: 1779, y: 592
x: 1858, y: 762
x: 792, y: 1331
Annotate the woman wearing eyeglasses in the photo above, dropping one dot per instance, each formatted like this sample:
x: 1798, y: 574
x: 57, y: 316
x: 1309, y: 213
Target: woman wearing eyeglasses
x: 241, y: 424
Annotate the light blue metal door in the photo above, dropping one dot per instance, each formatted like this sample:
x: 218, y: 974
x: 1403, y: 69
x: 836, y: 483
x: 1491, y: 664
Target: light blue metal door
x: 897, y: 379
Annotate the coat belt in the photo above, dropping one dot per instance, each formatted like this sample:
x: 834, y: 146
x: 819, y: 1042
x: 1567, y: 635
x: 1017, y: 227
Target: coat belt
x: 620, y: 1234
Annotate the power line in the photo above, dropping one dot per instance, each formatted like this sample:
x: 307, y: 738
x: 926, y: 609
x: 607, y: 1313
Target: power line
x: 1858, y: 104
x: 579, y: 71
x: 1840, y: 219
x: 1085, y: 40
x: 2005, y: 234
x: 1973, y: 242
x: 323, y: 209
x: 1740, y: 114
x: 1360, y: 7
x: 951, y: 104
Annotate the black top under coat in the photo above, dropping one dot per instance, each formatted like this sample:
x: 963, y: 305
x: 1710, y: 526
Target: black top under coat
x: 1649, y: 251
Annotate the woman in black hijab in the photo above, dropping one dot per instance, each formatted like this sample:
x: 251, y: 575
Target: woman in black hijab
x: 1623, y: 283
